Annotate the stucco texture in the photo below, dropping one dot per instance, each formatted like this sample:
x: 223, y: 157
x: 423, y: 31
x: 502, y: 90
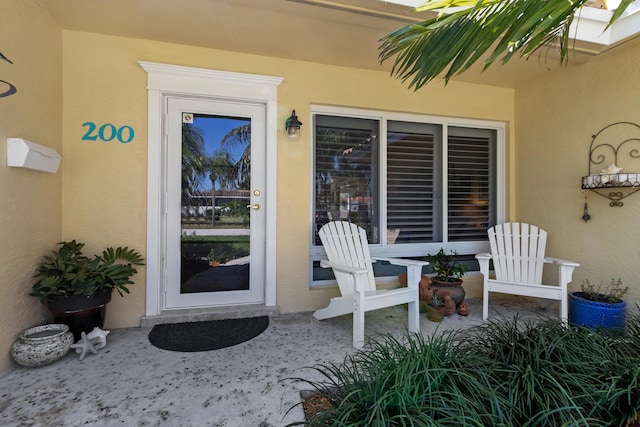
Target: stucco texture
x: 30, y: 211
x: 556, y: 116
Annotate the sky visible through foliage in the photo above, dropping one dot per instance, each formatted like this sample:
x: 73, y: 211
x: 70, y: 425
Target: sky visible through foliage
x: 213, y: 129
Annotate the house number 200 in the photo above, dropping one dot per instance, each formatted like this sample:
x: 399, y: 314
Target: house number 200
x: 108, y: 132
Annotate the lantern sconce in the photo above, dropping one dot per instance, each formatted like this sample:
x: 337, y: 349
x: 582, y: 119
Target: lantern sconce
x: 292, y: 126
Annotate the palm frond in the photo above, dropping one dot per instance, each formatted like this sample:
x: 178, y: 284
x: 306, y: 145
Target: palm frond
x: 194, y: 161
x: 624, y: 4
x: 239, y: 136
x: 481, y: 30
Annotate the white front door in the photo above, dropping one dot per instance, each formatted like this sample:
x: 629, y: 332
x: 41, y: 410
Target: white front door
x: 215, y: 195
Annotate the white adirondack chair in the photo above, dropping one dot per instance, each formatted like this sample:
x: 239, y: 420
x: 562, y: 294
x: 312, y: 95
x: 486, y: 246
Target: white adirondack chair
x: 518, y: 254
x: 348, y: 252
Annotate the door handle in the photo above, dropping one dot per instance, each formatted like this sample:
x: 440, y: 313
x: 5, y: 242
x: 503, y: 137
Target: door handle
x: 255, y: 206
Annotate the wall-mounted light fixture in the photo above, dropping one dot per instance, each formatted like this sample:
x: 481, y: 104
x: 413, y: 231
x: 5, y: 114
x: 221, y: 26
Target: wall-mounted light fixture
x: 292, y: 125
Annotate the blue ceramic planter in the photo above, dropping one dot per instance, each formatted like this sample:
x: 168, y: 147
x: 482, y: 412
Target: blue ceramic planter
x: 596, y: 315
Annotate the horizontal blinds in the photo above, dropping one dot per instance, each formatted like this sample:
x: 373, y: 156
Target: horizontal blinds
x: 471, y: 159
x: 346, y: 172
x: 411, y: 168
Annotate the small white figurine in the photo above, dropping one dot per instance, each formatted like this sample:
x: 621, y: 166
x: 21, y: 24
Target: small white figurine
x: 83, y: 345
x: 98, y: 338
x: 93, y: 341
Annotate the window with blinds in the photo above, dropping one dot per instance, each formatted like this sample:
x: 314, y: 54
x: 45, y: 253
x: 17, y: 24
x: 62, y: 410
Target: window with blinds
x: 410, y: 184
x: 471, y: 164
x: 414, y: 201
x: 346, y: 173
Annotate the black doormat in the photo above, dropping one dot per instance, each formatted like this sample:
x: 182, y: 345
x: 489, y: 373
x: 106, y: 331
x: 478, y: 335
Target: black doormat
x: 208, y: 335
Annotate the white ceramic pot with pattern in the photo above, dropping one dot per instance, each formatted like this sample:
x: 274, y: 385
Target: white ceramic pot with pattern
x: 42, y: 345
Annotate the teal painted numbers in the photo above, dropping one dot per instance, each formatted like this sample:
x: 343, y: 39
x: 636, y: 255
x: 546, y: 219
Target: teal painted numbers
x: 108, y: 132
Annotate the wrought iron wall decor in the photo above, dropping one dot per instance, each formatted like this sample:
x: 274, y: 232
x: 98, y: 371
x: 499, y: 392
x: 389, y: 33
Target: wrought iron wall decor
x: 585, y: 211
x: 11, y: 89
x: 614, y: 162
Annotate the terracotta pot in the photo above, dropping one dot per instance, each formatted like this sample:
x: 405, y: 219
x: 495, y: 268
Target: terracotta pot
x: 423, y: 290
x: 463, y: 309
x: 437, y: 282
x: 449, y: 305
x: 433, y: 313
x: 454, y: 289
x: 402, y: 279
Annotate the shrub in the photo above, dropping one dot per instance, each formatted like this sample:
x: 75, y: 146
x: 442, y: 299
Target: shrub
x: 501, y: 373
x: 67, y: 271
x: 600, y: 293
x: 446, y: 267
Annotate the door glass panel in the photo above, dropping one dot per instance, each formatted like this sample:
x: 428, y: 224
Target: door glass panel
x: 472, y: 183
x: 215, y: 221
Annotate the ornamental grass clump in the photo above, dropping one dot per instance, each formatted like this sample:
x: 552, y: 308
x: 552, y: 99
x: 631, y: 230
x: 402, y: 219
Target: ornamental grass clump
x: 394, y: 383
x: 546, y: 374
x: 501, y: 373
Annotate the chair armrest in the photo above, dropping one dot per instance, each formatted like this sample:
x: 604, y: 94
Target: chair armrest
x: 565, y: 270
x: 483, y: 263
x: 400, y: 261
x: 563, y: 262
x: 342, y: 268
x: 414, y: 269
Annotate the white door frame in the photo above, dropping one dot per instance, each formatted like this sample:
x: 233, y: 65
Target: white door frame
x: 255, y: 113
x: 165, y: 80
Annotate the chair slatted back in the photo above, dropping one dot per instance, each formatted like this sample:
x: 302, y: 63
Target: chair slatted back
x: 517, y: 251
x: 346, y: 244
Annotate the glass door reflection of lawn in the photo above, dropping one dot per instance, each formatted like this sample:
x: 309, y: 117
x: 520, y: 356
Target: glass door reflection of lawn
x: 215, y: 258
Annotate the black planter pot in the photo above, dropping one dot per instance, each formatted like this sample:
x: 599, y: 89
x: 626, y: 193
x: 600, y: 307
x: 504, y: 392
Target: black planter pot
x: 80, y: 312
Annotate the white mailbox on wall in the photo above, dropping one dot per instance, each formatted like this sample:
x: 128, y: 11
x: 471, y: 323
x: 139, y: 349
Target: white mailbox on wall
x: 26, y: 154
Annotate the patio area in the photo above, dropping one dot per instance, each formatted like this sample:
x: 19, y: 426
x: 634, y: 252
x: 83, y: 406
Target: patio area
x: 131, y: 382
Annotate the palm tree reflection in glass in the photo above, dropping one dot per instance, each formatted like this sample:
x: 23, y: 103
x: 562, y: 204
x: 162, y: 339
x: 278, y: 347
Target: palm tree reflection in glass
x: 216, y: 165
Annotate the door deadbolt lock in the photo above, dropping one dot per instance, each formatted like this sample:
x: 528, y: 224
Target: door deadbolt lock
x: 255, y: 206
x: 256, y: 193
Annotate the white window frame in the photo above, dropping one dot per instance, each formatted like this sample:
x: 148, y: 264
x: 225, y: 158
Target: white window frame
x: 412, y: 249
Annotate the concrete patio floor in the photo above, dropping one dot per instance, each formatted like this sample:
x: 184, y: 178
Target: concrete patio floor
x: 132, y: 383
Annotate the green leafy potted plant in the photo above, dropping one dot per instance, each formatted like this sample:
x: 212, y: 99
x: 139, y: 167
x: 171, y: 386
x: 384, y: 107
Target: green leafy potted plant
x: 599, y: 306
x: 448, y: 273
x: 446, y: 267
x: 76, y: 288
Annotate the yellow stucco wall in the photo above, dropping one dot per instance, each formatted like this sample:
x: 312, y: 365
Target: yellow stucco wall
x: 99, y: 193
x: 556, y: 115
x: 104, y: 187
x: 104, y: 183
x: 30, y: 211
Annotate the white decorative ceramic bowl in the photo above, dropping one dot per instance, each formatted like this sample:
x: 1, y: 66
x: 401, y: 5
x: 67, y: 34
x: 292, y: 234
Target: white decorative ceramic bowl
x: 42, y: 345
